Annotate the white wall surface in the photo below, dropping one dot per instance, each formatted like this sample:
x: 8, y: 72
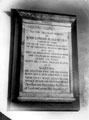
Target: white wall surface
x: 76, y: 7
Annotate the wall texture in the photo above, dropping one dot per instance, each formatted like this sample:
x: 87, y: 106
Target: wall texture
x: 80, y: 8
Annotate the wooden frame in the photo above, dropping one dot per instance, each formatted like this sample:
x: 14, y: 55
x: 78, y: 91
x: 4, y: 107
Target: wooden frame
x: 17, y: 18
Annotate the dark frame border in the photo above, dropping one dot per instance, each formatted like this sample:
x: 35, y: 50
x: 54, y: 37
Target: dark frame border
x: 14, y: 66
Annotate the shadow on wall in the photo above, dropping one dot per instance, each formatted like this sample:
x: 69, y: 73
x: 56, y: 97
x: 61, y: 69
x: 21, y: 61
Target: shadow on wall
x: 81, y: 11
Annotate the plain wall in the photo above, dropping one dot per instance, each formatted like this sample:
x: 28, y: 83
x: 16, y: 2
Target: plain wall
x: 80, y: 8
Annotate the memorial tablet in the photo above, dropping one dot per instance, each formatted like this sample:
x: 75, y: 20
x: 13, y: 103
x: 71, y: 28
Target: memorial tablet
x: 46, y: 57
x: 46, y: 61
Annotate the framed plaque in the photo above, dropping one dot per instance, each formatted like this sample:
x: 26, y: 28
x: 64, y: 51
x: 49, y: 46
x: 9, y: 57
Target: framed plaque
x: 43, y: 60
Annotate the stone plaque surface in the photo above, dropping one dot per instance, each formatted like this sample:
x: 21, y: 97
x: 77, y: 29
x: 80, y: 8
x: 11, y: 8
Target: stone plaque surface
x: 45, y: 57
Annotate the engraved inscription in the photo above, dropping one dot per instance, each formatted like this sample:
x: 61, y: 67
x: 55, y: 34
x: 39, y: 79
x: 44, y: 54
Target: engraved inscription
x: 46, y: 59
